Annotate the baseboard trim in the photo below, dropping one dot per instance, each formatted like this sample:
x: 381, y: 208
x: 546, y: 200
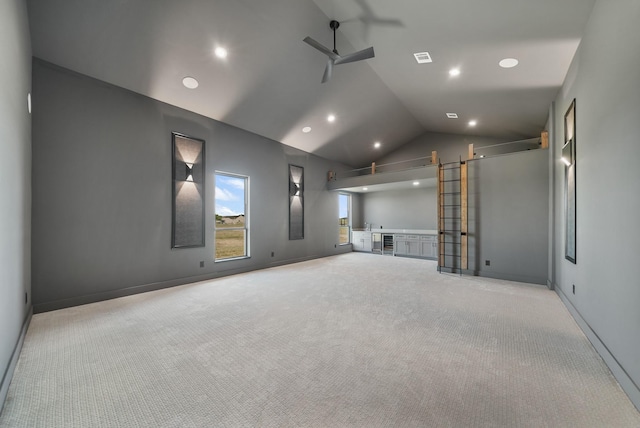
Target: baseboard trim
x: 628, y: 385
x: 497, y: 275
x: 137, y: 289
x: 13, y: 361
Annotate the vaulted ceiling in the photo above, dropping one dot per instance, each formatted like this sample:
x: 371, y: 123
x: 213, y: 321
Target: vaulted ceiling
x: 270, y: 81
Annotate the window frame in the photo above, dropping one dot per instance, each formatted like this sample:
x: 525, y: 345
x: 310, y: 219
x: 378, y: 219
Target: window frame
x: 245, y: 228
x: 349, y: 217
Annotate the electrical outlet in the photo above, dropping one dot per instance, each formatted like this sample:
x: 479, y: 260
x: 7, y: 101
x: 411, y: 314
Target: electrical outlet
x: 574, y: 288
x: 487, y: 262
x: 202, y: 263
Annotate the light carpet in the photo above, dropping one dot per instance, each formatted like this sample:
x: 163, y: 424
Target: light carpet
x: 355, y: 340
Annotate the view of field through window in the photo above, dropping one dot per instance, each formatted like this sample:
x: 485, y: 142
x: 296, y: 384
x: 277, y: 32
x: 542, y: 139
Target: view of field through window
x: 344, y: 208
x: 231, y: 212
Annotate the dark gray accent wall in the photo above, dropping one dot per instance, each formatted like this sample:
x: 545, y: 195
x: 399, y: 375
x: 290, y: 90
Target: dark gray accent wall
x: 604, y: 79
x: 15, y: 176
x: 102, y: 193
x: 509, y: 216
x: 401, y: 209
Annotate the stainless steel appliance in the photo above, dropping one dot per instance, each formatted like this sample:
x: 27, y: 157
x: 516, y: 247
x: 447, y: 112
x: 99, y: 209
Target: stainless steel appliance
x: 376, y: 242
x: 387, y: 243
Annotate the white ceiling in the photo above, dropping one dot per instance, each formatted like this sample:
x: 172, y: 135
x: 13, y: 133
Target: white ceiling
x: 270, y: 82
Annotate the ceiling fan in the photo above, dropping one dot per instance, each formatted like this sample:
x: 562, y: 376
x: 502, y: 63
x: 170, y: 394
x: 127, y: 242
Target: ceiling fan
x: 334, y: 57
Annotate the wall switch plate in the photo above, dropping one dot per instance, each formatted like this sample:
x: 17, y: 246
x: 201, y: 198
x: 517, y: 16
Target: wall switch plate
x: 487, y: 262
x: 202, y: 263
x: 26, y: 297
x: 574, y: 288
x: 273, y: 254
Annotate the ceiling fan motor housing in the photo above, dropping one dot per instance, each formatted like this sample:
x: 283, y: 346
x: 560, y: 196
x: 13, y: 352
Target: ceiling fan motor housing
x: 334, y: 57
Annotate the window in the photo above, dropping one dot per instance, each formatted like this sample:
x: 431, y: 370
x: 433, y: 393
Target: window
x: 344, y: 216
x: 232, y: 216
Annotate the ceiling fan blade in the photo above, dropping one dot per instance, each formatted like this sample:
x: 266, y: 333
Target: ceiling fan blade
x: 308, y: 40
x: 356, y: 56
x: 328, y: 71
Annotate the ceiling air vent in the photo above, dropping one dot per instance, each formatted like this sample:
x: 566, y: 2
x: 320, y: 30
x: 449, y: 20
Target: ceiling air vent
x: 423, y: 57
x: 452, y: 115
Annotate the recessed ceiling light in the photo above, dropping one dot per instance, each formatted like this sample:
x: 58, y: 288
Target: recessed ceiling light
x: 221, y: 52
x: 29, y: 102
x: 377, y: 144
x: 306, y: 129
x: 454, y: 72
x: 452, y: 115
x: 331, y: 118
x: 422, y: 57
x: 190, y: 82
x: 365, y: 188
x: 416, y: 183
x: 508, y: 63
x: 473, y: 122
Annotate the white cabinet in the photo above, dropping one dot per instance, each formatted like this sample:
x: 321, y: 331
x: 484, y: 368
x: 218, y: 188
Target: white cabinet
x: 356, y: 241
x: 413, y: 248
x: 425, y: 246
x: 361, y: 241
x: 366, y: 242
x: 429, y: 246
x: 404, y: 244
x: 399, y: 245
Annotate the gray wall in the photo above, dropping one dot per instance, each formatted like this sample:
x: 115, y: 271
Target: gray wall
x: 401, y: 209
x: 604, y: 78
x: 508, y: 206
x: 102, y: 193
x: 509, y: 216
x: 416, y: 208
x: 15, y: 176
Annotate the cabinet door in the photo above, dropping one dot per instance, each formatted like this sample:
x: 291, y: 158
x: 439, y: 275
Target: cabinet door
x: 398, y: 244
x: 434, y: 248
x: 366, y: 242
x: 413, y: 248
x: 429, y: 247
x: 356, y: 241
x: 426, y: 248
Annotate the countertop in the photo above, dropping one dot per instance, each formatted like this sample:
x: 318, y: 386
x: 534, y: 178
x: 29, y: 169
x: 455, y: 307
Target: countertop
x: 411, y: 231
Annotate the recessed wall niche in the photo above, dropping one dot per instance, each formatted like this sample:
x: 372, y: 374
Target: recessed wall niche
x: 296, y: 202
x: 188, y: 165
x: 569, y: 158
